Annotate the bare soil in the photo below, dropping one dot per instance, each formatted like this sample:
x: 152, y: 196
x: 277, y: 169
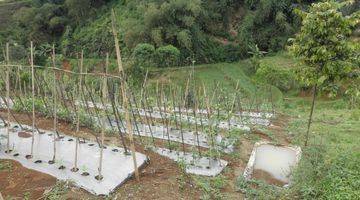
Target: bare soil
x: 24, y: 134
x: 267, y: 177
x: 19, y: 182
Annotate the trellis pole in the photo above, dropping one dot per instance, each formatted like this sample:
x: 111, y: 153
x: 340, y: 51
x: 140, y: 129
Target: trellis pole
x: 125, y: 99
x: 232, y: 105
x: 196, y: 125
x: 78, y: 114
x: 180, y: 124
x: 104, y: 89
x: 54, y: 102
x: 33, y: 99
x: 142, y: 96
x: 167, y: 119
x: 209, y: 112
x: 8, y: 97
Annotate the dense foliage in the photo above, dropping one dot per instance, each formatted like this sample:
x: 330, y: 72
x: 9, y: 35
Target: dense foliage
x: 202, y: 30
x: 324, y: 45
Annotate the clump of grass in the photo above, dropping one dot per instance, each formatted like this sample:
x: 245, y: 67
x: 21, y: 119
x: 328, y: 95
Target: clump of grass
x: 5, y: 165
x: 211, y: 187
x: 183, y: 178
x: 58, y: 191
x: 256, y: 189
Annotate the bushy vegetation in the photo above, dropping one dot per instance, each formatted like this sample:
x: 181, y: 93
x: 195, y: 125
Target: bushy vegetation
x: 284, y: 79
x: 167, y: 56
x: 144, y: 55
x: 203, y: 30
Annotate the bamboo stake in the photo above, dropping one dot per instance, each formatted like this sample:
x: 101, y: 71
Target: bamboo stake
x: 130, y: 131
x: 158, y: 101
x: 75, y: 169
x: 117, y: 119
x: 33, y: 99
x: 125, y: 99
x: 233, y: 105
x: 132, y: 112
x: 142, y: 96
x: 209, y: 119
x: 180, y: 122
x: 116, y: 40
x: 7, y: 98
x: 100, y: 177
x: 55, y: 106
x: 174, y: 107
x: 196, y: 126
x: 185, y: 105
x: 201, y: 115
x: 166, y: 118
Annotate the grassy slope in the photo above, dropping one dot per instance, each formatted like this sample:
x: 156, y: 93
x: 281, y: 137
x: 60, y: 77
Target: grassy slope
x: 329, y: 168
x: 227, y: 74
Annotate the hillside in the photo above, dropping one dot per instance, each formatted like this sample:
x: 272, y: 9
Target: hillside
x: 7, y: 9
x: 204, y: 30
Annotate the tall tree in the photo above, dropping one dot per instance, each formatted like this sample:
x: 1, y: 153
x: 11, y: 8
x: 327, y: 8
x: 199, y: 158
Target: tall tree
x: 323, y: 43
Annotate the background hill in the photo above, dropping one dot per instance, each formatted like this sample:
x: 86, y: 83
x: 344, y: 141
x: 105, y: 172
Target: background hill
x: 203, y: 30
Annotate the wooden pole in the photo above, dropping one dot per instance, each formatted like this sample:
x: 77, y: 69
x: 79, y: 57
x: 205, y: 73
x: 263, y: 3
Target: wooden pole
x: 196, y: 125
x: 99, y: 177
x: 75, y: 169
x: 116, y: 40
x: 130, y: 131
x: 8, y: 97
x: 125, y: 99
x: 55, y: 102
x: 33, y: 97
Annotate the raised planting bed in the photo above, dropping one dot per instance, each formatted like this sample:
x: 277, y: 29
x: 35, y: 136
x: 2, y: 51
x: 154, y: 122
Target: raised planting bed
x: 204, y: 166
x: 117, y: 166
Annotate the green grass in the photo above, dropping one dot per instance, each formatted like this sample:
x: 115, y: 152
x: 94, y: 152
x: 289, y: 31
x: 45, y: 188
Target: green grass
x: 281, y: 59
x: 58, y: 191
x: 5, y: 165
x: 226, y: 74
x: 329, y: 167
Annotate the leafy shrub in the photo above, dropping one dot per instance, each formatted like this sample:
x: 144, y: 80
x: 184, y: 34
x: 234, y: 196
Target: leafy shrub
x: 167, y: 56
x: 277, y: 76
x: 143, y: 55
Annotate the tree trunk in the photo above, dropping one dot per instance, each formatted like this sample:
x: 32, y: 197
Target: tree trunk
x: 311, y: 114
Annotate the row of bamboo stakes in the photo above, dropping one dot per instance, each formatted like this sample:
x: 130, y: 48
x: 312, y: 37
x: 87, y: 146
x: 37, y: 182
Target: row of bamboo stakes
x: 124, y: 91
x: 126, y: 95
x: 104, y: 94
